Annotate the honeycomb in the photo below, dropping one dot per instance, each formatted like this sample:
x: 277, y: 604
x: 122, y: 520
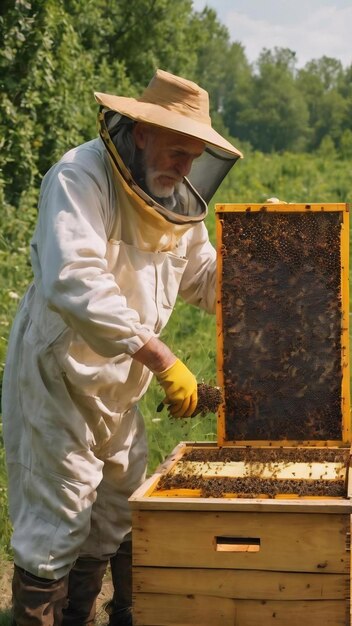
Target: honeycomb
x: 252, y: 484
x: 281, y: 323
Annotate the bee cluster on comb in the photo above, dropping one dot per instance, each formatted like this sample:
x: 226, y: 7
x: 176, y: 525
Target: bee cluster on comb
x: 281, y: 316
x: 266, y: 472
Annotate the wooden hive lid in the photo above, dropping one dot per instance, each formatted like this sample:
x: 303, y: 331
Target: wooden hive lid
x: 283, y: 324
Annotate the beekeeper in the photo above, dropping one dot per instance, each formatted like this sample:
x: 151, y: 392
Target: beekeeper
x: 120, y: 235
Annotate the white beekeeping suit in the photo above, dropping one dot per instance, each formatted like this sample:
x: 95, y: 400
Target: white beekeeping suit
x: 109, y: 262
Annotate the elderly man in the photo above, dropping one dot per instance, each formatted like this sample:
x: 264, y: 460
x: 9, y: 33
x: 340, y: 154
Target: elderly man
x: 120, y: 235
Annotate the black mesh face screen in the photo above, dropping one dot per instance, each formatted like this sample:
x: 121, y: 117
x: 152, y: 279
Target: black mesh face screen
x: 209, y: 170
x: 281, y: 317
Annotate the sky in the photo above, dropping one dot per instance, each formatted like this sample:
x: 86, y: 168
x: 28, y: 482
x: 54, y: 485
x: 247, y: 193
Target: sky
x: 311, y: 28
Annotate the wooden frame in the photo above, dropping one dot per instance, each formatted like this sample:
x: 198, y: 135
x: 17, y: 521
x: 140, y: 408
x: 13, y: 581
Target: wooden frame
x: 239, y: 561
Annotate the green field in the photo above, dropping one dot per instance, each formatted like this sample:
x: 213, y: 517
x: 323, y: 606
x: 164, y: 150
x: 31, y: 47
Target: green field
x: 190, y: 333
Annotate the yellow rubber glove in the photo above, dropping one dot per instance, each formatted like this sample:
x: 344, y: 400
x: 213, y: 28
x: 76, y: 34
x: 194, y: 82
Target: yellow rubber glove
x: 180, y: 387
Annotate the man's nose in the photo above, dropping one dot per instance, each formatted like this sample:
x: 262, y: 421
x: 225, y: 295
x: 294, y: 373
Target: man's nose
x: 184, y: 165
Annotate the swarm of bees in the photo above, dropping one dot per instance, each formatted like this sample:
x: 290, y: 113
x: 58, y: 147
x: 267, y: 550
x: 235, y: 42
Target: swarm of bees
x: 209, y: 400
x: 252, y: 487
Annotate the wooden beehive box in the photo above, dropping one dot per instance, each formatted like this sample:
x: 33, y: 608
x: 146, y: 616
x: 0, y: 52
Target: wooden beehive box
x: 255, y: 528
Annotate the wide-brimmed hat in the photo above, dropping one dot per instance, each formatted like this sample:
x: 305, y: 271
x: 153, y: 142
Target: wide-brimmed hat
x: 174, y: 103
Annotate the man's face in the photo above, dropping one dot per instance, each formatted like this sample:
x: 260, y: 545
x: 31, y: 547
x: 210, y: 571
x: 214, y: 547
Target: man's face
x: 167, y: 157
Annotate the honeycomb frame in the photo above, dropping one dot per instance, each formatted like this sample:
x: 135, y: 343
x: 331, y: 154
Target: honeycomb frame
x: 282, y: 264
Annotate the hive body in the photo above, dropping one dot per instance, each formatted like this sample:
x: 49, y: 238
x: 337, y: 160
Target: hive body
x: 255, y: 528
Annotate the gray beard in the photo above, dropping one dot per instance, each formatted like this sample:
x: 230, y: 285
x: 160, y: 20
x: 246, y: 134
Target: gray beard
x: 138, y: 170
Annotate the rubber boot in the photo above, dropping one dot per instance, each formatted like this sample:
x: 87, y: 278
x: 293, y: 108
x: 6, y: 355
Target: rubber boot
x: 84, y: 584
x: 120, y: 607
x: 37, y: 601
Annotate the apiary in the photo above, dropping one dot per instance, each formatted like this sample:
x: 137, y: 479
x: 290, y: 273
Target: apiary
x: 255, y: 527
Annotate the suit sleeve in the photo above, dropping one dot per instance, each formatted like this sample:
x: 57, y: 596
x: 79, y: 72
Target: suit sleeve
x: 198, y: 285
x: 68, y: 255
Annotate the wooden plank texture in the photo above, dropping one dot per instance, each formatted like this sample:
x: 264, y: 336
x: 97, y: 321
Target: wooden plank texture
x: 191, y: 502
x: 193, y: 610
x: 241, y: 584
x: 288, y: 542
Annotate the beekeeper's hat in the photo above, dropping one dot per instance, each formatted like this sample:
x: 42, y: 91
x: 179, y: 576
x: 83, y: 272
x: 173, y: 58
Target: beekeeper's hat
x: 174, y: 103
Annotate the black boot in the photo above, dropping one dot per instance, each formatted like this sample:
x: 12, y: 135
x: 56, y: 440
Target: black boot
x: 120, y: 607
x: 37, y: 601
x: 84, y: 584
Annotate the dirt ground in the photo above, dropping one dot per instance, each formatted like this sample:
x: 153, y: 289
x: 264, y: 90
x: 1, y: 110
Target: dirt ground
x: 5, y: 594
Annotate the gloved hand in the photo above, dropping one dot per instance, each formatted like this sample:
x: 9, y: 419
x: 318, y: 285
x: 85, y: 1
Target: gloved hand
x: 180, y: 387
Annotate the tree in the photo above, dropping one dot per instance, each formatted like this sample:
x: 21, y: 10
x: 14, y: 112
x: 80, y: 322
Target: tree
x: 46, y: 100
x: 276, y: 116
x: 238, y: 90
x: 55, y: 54
x: 212, y: 44
x: 142, y: 34
x: 321, y: 82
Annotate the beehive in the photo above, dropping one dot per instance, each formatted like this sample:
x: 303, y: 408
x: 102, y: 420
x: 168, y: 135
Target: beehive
x: 255, y: 528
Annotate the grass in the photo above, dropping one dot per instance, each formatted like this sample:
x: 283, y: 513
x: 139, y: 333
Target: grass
x: 5, y: 527
x: 5, y: 618
x: 200, y: 356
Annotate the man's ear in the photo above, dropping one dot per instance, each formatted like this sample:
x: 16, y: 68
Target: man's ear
x: 140, y: 132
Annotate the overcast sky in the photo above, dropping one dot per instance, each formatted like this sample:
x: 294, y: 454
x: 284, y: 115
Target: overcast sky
x: 311, y: 28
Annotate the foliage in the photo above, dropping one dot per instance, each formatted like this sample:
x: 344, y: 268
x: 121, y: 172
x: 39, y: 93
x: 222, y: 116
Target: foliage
x: 323, y: 83
x: 5, y: 618
x: 5, y: 528
x: 276, y: 118
x: 55, y: 54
